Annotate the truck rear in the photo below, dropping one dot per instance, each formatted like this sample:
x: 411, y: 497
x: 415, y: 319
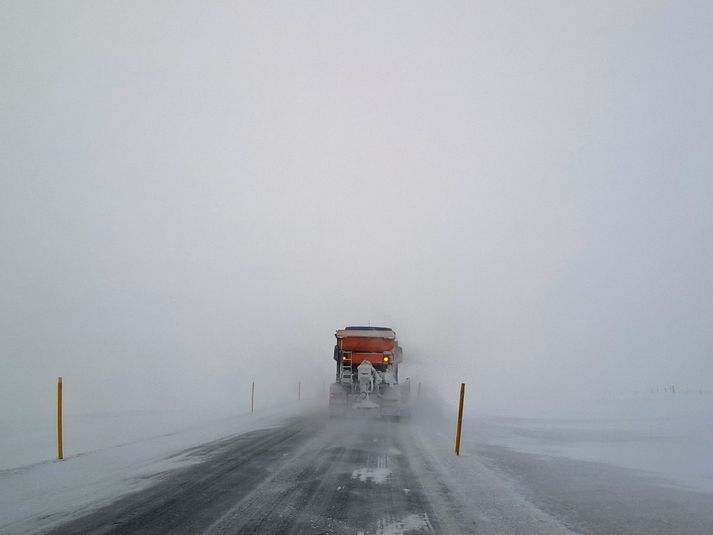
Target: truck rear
x: 367, y: 373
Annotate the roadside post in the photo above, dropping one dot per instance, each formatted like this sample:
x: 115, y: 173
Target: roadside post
x: 460, y: 418
x: 60, y: 450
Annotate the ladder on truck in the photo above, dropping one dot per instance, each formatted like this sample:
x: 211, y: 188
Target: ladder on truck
x: 346, y: 375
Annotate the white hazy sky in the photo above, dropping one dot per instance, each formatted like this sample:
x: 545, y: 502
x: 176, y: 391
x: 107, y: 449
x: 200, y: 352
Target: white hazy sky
x: 196, y: 194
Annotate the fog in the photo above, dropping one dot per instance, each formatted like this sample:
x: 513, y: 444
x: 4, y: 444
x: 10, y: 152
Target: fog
x: 195, y: 196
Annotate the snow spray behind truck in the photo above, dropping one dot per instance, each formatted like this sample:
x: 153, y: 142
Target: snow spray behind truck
x: 367, y: 373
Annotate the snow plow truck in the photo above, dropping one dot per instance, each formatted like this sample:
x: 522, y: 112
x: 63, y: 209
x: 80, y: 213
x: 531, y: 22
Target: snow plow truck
x: 367, y: 373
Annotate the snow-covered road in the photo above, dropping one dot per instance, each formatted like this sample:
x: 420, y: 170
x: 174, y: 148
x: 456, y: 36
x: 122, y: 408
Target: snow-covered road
x: 308, y: 474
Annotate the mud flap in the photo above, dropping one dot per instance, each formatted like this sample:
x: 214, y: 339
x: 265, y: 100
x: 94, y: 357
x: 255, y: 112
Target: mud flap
x: 391, y: 402
x: 337, y: 400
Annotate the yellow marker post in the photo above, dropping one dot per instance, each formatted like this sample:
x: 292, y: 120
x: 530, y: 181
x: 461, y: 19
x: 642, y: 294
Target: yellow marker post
x: 252, y: 398
x: 460, y: 417
x: 60, y: 451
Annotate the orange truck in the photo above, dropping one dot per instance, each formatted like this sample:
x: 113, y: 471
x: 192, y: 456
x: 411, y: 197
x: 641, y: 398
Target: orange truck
x: 367, y: 373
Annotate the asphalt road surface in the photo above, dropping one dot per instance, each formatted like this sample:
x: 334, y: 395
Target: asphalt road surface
x: 314, y: 475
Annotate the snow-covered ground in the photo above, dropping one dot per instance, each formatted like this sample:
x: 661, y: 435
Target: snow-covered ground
x: 34, y: 440
x: 120, y: 453
x: 670, y: 435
